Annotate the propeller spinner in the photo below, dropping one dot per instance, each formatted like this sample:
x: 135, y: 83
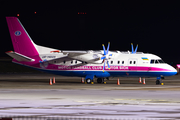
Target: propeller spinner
x: 106, y: 56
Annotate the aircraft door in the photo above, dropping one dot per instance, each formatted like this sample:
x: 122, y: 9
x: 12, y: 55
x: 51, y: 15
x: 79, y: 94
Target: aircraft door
x: 132, y: 64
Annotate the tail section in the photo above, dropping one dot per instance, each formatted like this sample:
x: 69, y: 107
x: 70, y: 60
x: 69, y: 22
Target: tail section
x: 22, y: 42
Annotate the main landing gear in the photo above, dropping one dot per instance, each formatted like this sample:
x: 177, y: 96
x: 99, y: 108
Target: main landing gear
x: 100, y: 80
x: 158, y: 81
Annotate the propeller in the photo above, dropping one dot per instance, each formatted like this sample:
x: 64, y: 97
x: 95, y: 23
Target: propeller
x: 43, y: 61
x: 134, y: 51
x: 106, y: 56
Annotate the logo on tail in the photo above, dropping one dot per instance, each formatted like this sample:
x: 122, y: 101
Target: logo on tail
x: 17, y: 33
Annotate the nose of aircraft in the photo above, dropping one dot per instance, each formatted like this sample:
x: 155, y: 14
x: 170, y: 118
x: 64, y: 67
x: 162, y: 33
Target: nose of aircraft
x: 172, y: 70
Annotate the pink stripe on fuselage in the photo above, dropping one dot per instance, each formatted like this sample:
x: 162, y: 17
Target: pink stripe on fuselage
x: 98, y: 68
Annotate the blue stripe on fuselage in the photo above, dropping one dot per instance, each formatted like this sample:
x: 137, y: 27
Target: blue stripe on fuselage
x: 112, y: 74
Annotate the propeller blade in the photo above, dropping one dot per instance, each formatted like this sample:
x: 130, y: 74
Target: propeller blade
x: 103, y: 58
x: 136, y: 49
x: 108, y: 48
x: 103, y: 66
x: 132, y: 48
x: 104, y: 49
x: 43, y: 61
x: 108, y: 64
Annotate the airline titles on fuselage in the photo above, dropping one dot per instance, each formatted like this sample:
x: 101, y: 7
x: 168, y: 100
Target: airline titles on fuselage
x: 92, y: 67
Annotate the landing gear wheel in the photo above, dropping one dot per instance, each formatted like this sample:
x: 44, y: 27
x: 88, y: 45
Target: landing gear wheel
x: 158, y: 82
x: 100, y: 80
x: 88, y: 81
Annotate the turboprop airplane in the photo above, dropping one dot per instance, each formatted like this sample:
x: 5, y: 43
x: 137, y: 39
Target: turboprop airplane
x: 88, y: 64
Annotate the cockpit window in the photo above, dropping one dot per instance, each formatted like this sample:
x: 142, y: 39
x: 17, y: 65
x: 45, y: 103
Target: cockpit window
x: 152, y: 61
x: 159, y: 61
x: 156, y: 62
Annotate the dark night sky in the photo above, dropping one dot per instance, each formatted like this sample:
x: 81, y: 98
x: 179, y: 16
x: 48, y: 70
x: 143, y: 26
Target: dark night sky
x: 153, y: 25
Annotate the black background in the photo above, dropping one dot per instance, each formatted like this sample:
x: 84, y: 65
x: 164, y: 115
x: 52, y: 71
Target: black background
x: 153, y: 25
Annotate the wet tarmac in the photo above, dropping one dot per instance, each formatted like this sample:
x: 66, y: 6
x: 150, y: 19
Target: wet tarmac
x: 30, y: 95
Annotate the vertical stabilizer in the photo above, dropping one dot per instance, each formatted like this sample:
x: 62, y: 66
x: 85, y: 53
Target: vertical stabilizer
x: 22, y: 42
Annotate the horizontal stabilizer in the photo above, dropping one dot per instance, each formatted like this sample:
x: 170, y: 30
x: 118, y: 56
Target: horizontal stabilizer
x: 19, y: 57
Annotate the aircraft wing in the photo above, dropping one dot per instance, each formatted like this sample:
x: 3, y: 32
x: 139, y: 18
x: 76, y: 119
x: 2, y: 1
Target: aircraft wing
x: 73, y: 52
x: 19, y: 57
x: 61, y: 59
x: 87, y: 56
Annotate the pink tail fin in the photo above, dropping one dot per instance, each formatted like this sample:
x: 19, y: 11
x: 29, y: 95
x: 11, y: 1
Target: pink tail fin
x: 22, y: 42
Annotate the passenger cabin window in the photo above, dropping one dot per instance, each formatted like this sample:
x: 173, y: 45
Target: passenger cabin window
x: 130, y: 62
x: 111, y: 62
x: 118, y: 62
x: 134, y: 62
x: 122, y: 62
x: 64, y: 62
x: 71, y: 62
x: 76, y: 61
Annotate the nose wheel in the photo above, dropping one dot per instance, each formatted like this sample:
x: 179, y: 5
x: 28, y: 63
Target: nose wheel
x: 88, y: 81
